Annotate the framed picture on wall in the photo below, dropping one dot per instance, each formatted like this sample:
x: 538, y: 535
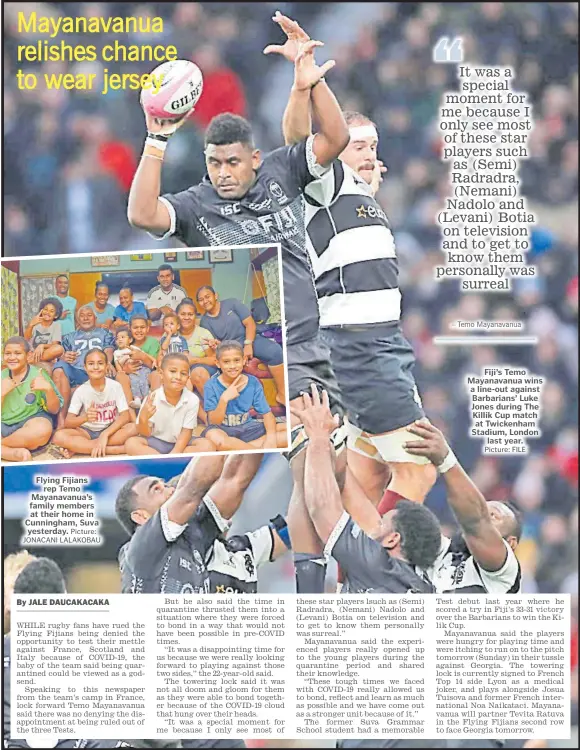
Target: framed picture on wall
x: 141, y: 256
x: 170, y: 257
x: 221, y: 255
x: 194, y: 255
x: 98, y: 261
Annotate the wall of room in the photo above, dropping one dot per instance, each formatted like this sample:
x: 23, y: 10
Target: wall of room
x: 229, y: 279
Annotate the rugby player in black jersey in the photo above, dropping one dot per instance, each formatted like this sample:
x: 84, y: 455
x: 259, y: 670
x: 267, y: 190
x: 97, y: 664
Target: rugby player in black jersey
x: 173, y: 529
x: 246, y: 199
x: 233, y: 561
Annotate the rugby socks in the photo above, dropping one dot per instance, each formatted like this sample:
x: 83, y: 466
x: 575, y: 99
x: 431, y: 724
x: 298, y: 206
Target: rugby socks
x: 310, y: 572
x: 388, y: 501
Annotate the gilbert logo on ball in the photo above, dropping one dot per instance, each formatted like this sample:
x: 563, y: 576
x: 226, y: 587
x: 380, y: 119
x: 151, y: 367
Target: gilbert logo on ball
x: 181, y: 87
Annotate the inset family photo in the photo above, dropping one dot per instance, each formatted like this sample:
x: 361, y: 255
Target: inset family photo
x: 126, y: 355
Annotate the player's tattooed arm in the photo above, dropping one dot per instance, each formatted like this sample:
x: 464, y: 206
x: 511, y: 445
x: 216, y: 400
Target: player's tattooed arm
x: 199, y: 475
x: 466, y: 501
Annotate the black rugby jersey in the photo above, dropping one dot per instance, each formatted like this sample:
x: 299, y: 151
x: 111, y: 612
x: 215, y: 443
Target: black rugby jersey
x: 271, y: 211
x: 368, y: 567
x: 165, y: 558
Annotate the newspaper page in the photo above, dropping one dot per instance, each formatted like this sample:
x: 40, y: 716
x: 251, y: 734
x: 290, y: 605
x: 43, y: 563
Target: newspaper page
x: 289, y: 327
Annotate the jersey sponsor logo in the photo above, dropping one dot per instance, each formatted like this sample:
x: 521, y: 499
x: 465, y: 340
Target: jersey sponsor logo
x: 280, y: 221
x: 370, y: 212
x: 230, y: 208
x: 458, y: 573
x: 278, y: 193
x: 249, y: 563
x: 183, y: 563
x: 199, y: 563
x: 260, y: 206
x: 222, y: 589
x: 189, y: 588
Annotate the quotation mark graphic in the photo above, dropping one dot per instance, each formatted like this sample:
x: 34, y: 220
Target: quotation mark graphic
x: 443, y: 52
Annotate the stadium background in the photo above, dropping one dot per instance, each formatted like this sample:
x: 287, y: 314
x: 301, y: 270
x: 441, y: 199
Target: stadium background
x: 58, y: 145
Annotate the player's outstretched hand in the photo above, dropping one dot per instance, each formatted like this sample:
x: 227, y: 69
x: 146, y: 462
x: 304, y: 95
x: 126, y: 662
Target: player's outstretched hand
x: 306, y: 72
x: 295, y: 33
x: 164, y: 127
x: 432, y: 444
x: 315, y: 414
x: 378, y: 173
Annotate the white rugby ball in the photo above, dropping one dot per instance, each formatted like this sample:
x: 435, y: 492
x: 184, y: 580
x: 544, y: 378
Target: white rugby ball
x: 180, y: 89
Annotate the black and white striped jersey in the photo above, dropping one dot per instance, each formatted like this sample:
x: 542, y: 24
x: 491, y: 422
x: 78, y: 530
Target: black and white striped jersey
x: 352, y: 251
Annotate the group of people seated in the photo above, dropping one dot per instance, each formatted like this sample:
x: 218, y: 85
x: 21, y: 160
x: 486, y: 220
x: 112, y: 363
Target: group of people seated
x: 102, y: 385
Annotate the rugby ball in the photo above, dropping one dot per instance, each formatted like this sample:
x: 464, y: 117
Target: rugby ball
x: 179, y: 92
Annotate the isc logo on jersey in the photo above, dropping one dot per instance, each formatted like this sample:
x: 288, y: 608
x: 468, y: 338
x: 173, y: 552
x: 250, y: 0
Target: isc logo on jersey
x: 230, y: 208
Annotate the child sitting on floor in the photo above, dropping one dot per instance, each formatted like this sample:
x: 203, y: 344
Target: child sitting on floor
x: 229, y: 396
x: 169, y: 415
x: 98, y: 421
x: 30, y: 403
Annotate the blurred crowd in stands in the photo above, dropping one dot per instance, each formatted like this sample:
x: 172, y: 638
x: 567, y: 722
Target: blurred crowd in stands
x: 73, y: 154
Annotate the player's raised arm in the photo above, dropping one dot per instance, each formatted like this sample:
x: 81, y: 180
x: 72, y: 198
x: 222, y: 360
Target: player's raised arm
x: 228, y: 491
x: 310, y: 88
x: 321, y: 491
x: 199, y: 475
x: 468, y: 504
x: 145, y: 210
x: 297, y: 120
x: 332, y: 136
